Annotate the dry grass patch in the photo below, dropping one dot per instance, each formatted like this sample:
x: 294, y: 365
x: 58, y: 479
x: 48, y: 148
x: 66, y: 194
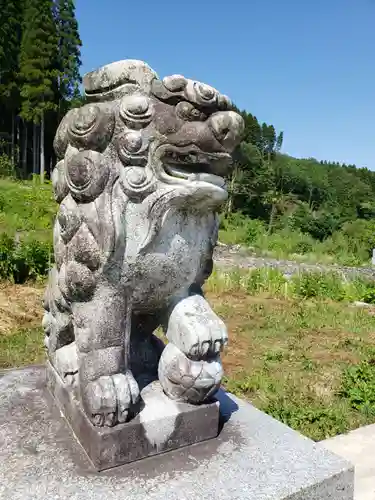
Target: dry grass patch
x: 20, y: 307
x: 21, y: 337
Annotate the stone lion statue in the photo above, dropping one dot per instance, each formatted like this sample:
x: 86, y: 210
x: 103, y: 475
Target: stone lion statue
x: 139, y: 180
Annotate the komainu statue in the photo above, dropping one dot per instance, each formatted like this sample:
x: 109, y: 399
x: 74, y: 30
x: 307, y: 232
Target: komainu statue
x: 139, y: 180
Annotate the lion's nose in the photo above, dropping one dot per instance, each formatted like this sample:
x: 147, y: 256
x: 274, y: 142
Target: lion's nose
x: 227, y: 127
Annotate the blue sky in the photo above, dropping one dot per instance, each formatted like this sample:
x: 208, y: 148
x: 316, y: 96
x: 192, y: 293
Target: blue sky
x: 307, y: 67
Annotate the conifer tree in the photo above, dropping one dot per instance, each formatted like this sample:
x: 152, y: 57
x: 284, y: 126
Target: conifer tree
x: 10, y: 40
x: 279, y: 142
x: 38, y: 73
x: 69, y: 60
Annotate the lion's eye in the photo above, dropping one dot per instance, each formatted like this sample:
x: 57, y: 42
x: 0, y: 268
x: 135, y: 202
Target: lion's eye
x: 186, y: 111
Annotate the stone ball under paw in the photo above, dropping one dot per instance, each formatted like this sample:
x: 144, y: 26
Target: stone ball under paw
x: 188, y: 381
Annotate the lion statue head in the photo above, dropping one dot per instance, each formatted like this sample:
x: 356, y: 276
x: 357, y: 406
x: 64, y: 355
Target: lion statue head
x: 154, y: 133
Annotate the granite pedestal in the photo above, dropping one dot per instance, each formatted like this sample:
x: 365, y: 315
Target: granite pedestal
x: 161, y: 425
x: 254, y: 457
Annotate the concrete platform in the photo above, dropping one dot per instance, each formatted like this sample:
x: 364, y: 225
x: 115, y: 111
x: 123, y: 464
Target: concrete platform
x: 358, y: 446
x: 162, y: 425
x: 254, y: 457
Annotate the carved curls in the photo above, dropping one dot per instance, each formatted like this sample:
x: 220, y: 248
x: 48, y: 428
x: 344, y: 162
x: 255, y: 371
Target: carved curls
x: 136, y: 111
x: 178, y: 87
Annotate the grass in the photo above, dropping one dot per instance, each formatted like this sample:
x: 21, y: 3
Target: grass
x: 299, y: 350
x: 307, y: 362
x: 27, y: 211
x: 270, y: 282
x: 26, y: 208
x: 290, y: 359
x: 23, y: 347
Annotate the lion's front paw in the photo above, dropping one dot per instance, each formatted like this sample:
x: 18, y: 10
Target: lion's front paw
x: 195, y: 329
x: 109, y: 399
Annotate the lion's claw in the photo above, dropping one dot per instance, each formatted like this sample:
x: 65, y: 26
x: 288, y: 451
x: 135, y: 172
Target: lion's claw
x: 109, y: 398
x: 197, y: 331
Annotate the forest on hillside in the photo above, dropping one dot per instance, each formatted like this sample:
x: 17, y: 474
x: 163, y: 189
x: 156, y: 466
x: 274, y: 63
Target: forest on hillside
x: 277, y: 203
x: 304, y: 201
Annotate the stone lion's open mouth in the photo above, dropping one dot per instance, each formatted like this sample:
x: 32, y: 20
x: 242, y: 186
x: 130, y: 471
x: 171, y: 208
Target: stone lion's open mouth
x: 190, y: 163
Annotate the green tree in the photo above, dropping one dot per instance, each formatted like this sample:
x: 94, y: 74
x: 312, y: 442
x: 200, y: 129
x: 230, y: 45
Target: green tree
x: 241, y: 187
x: 38, y: 73
x: 69, y: 55
x: 10, y: 39
x: 279, y: 142
x: 253, y: 131
x: 269, y: 140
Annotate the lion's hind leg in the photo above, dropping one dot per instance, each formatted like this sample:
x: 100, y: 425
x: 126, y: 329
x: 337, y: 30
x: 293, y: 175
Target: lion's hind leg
x: 108, y: 389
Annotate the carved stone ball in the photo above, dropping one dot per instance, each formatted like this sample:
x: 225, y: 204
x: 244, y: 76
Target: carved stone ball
x: 60, y: 186
x: 91, y: 127
x: 87, y: 175
x: 186, y: 380
x: 131, y: 148
x: 136, y: 111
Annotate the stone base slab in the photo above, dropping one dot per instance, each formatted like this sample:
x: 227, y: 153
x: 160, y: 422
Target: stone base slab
x: 162, y: 425
x: 254, y: 457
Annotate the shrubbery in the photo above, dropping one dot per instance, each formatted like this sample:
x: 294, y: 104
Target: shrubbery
x: 27, y: 210
x: 358, y: 386
x: 7, y: 168
x: 23, y: 260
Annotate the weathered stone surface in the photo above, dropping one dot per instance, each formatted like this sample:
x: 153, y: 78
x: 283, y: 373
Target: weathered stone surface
x: 161, y: 425
x: 357, y: 446
x: 253, y: 458
x: 139, y: 180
